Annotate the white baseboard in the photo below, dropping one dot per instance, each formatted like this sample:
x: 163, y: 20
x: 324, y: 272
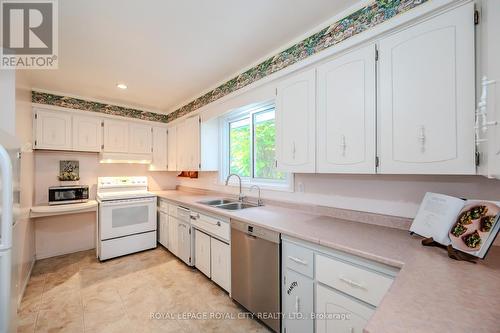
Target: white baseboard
x: 25, y: 283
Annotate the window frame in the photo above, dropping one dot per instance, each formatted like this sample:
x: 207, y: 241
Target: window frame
x: 225, y: 121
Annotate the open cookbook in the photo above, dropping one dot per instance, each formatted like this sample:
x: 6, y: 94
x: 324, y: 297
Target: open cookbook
x: 469, y: 226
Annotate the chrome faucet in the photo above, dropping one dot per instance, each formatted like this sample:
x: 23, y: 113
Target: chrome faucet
x: 240, y: 196
x: 259, y: 201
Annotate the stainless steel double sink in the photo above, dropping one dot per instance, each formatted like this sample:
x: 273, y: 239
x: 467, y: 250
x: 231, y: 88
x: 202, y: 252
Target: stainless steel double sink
x: 227, y: 204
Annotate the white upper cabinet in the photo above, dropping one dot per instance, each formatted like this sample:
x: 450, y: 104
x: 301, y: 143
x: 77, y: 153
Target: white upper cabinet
x: 140, y: 139
x: 427, y: 97
x: 115, y: 136
x: 87, y: 133
x: 159, y: 161
x: 295, y: 123
x: 346, y: 113
x: 191, y: 137
x: 172, y: 148
x: 52, y: 130
x: 197, y: 145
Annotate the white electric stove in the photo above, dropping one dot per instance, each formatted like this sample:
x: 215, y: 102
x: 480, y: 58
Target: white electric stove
x: 127, y: 216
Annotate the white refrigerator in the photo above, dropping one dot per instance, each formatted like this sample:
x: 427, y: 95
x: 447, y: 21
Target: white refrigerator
x: 9, y: 202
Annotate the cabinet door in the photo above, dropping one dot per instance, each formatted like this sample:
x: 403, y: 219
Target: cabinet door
x: 53, y: 130
x: 191, y: 136
x: 295, y: 123
x: 172, y: 149
x: 348, y: 315
x: 427, y: 97
x: 202, y: 252
x: 297, y: 303
x: 184, y: 242
x: 173, y: 235
x: 163, y: 234
x: 115, y: 136
x: 221, y: 260
x: 87, y: 133
x: 346, y: 113
x: 159, y: 161
x: 182, y: 147
x: 140, y: 139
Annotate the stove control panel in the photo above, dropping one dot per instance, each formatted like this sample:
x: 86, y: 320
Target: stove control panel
x: 113, y: 182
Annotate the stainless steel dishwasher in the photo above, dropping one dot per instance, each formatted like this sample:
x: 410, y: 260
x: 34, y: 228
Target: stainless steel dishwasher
x: 255, y: 271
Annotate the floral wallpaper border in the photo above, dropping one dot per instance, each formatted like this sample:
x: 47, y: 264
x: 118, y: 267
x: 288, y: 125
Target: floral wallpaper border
x: 80, y: 104
x: 361, y: 20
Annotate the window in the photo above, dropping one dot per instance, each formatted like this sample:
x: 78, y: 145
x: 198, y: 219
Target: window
x: 249, y: 140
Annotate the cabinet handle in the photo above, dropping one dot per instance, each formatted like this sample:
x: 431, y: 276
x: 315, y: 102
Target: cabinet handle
x: 343, y: 144
x: 422, y: 138
x: 351, y: 282
x: 297, y: 305
x: 297, y: 260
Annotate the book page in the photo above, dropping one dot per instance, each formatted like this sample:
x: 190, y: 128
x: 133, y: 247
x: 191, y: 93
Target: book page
x: 436, y: 215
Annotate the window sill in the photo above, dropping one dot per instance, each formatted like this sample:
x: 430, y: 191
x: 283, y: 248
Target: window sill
x: 268, y: 186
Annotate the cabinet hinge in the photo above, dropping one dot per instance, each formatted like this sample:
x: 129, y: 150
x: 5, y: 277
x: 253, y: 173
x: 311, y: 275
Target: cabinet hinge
x: 151, y: 149
x: 478, y: 158
x: 102, y: 123
x: 476, y: 17
x: 35, y: 143
x: 36, y: 115
x: 199, y: 119
x: 377, y: 161
x: 376, y: 54
x: 102, y: 146
x: 189, y: 259
x: 284, y: 280
x: 199, y: 165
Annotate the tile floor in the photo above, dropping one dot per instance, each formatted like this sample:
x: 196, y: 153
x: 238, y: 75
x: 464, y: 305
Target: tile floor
x: 76, y: 293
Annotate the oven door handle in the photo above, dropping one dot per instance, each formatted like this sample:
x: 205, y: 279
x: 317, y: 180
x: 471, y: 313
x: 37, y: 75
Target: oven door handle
x: 120, y: 202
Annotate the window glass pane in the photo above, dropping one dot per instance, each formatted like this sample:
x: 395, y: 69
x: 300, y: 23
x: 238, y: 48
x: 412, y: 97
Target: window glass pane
x: 239, y: 147
x: 264, y: 146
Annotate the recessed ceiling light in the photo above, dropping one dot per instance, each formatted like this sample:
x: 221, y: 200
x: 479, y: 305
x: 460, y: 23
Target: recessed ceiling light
x: 121, y: 86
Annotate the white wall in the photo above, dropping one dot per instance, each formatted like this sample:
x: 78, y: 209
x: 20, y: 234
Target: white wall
x: 7, y: 100
x: 71, y: 233
x: 24, y: 231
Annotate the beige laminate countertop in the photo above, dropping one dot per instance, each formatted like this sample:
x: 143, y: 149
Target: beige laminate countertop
x: 431, y: 293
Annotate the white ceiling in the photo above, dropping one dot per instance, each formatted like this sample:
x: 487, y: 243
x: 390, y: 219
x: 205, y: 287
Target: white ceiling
x: 170, y: 51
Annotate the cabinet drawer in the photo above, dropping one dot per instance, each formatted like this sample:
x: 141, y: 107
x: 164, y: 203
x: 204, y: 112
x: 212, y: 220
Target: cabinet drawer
x: 217, y: 227
x: 339, y: 313
x: 172, y: 210
x: 298, y: 258
x: 164, y: 205
x: 364, y: 284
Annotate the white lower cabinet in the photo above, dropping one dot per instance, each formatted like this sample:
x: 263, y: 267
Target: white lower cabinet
x: 202, y: 252
x: 173, y: 235
x: 221, y: 267
x: 327, y: 291
x: 163, y: 227
x: 184, y: 241
x: 338, y: 313
x: 298, y: 302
